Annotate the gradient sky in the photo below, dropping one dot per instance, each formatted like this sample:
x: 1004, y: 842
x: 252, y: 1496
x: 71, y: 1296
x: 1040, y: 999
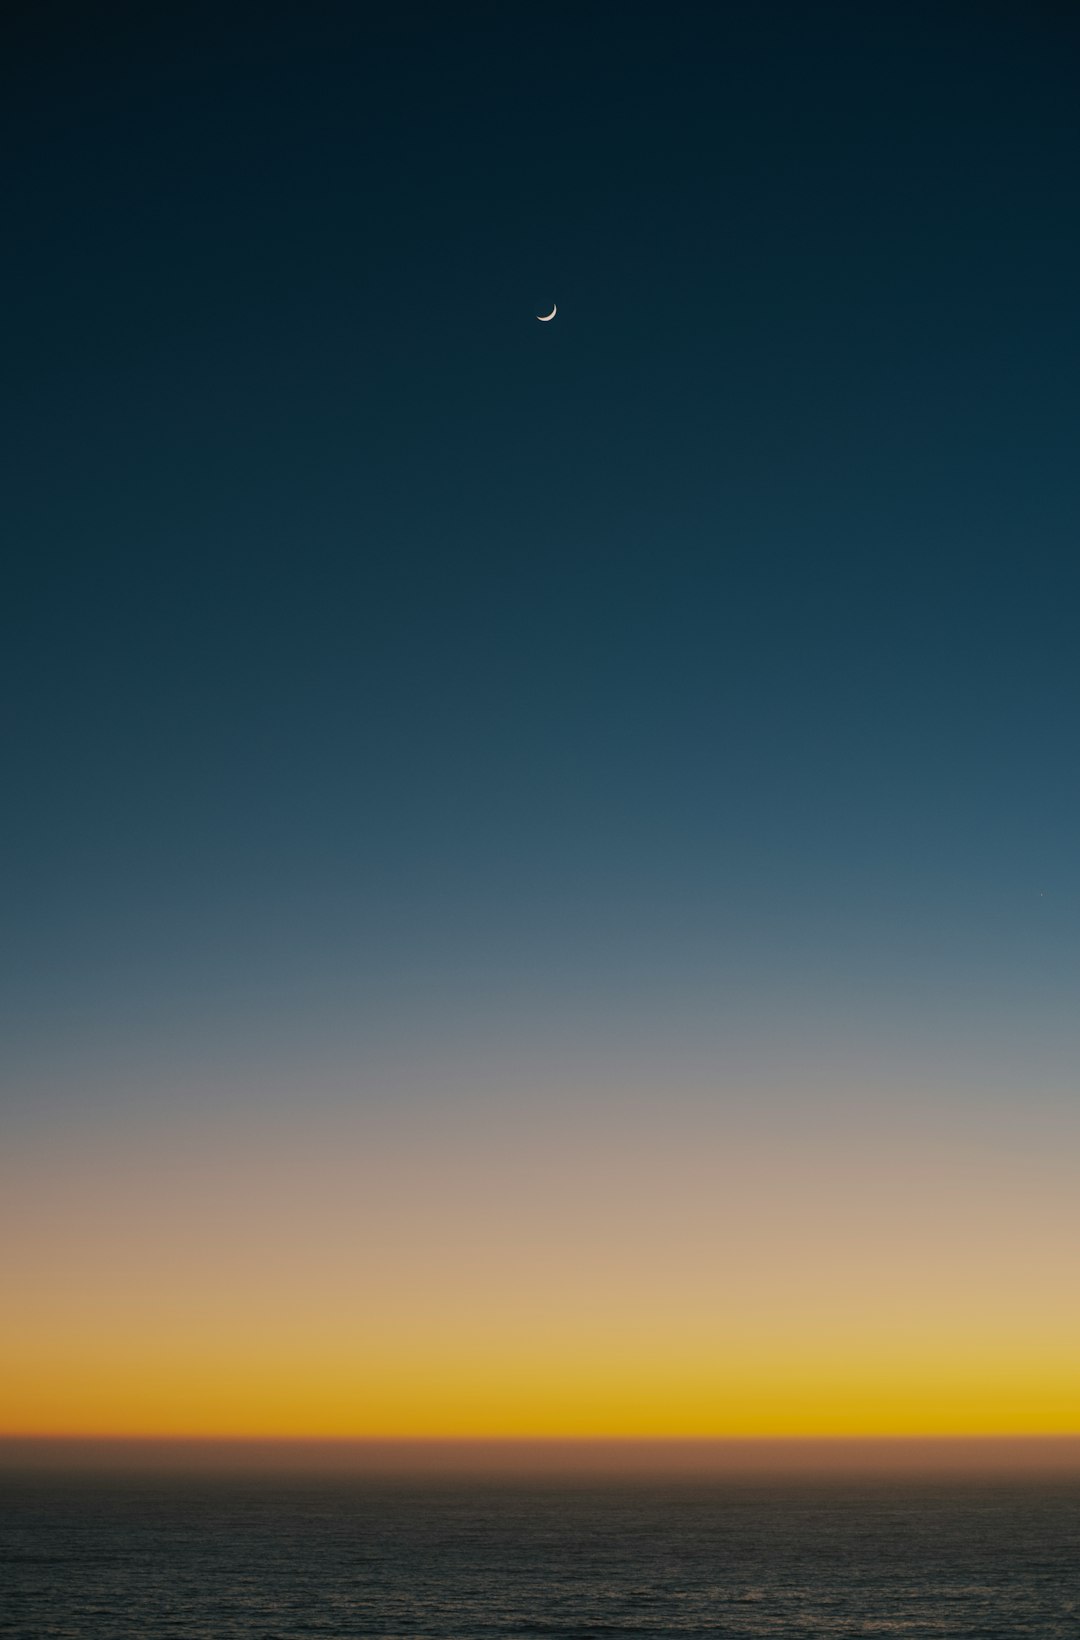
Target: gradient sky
x: 541, y: 876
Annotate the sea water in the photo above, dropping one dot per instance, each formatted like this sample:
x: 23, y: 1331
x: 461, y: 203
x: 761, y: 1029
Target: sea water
x: 222, y: 1558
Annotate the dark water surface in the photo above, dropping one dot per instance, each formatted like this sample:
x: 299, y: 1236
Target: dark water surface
x: 223, y: 1558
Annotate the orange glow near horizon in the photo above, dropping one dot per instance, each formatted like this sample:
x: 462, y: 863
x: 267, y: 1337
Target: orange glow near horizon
x: 538, y: 1279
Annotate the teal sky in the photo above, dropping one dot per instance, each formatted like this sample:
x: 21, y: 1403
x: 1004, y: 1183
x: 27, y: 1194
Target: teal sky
x: 405, y: 700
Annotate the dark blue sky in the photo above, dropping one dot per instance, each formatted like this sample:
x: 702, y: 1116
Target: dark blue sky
x: 383, y: 667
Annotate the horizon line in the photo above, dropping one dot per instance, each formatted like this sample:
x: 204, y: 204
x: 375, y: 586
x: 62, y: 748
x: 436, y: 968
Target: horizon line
x: 540, y: 1457
x: 295, y: 1437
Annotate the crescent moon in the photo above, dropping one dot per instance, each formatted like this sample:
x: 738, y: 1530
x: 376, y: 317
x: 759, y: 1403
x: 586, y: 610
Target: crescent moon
x: 544, y: 317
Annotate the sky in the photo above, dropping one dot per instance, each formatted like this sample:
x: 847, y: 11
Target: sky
x: 540, y: 860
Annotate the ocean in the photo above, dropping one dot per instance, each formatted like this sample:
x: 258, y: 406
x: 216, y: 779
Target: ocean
x: 216, y: 1558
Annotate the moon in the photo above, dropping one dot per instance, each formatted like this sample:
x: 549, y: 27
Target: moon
x: 544, y: 317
